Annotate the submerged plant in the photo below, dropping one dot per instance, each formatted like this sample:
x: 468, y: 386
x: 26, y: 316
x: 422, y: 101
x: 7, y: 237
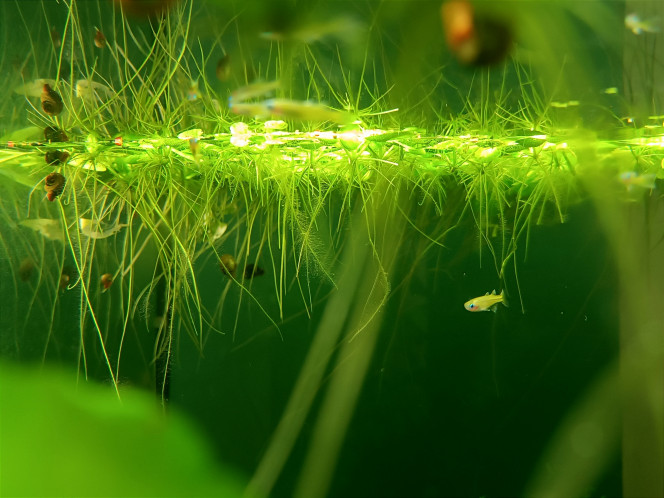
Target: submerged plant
x: 178, y: 200
x: 159, y: 169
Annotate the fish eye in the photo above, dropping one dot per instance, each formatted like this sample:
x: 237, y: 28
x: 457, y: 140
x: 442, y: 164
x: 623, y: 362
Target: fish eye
x: 471, y: 305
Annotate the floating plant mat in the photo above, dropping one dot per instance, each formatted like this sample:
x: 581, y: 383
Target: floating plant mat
x: 264, y: 153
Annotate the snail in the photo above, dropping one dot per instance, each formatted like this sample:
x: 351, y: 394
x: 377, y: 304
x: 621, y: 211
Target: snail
x: 106, y: 280
x: 55, y: 157
x: 52, y: 134
x: 100, y: 39
x: 51, y: 101
x: 26, y: 269
x: 228, y: 265
x: 54, y: 184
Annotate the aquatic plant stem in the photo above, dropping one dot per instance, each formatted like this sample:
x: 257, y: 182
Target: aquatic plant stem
x: 355, y: 355
x: 162, y: 358
x: 314, y: 367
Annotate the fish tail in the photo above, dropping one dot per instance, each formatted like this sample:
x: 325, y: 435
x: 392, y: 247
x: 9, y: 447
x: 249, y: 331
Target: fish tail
x: 504, y: 300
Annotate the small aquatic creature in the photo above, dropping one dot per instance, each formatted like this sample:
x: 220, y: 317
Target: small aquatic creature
x: 306, y: 111
x: 194, y: 146
x: 478, y: 40
x: 224, y: 68
x: 52, y: 134
x: 487, y: 302
x: 26, y: 269
x: 56, y: 157
x: 106, y: 281
x: 458, y: 22
x: 257, y: 89
x: 49, y: 228
x: 56, y: 39
x: 565, y: 105
x: 219, y: 232
x: 93, y: 229
x: 64, y: 280
x: 228, y: 265
x: 251, y: 109
x: 252, y: 270
x: 51, y: 101
x: 54, y: 184
x: 638, y: 26
x: 34, y: 88
x: 632, y: 179
x: 91, y: 91
x: 343, y: 28
x: 100, y: 39
x: 193, y: 91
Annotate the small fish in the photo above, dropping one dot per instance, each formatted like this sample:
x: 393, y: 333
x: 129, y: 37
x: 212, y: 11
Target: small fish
x: 487, y: 302
x: 306, y: 111
x: 91, y: 91
x: 250, y: 109
x: 343, y: 28
x: 632, y: 179
x: 34, y: 88
x: 636, y: 25
x: 193, y: 91
x: 93, y: 229
x: 106, y: 281
x: 51, y: 101
x: 54, y: 184
x: 224, y: 68
x: 194, y: 147
x: 257, y: 89
x: 564, y: 105
x: 228, y: 265
x: 100, y: 39
x: 49, y: 228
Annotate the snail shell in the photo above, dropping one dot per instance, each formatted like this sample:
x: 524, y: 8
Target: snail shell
x: 228, y: 265
x: 106, y: 280
x: 55, y: 157
x: 100, y: 39
x: 51, y: 101
x: 54, y: 184
x: 52, y: 134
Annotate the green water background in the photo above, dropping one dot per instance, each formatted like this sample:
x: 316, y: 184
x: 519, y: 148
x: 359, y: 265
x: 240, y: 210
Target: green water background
x: 455, y: 403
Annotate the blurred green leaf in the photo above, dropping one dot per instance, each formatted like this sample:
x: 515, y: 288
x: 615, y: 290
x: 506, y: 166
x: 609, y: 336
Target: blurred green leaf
x: 58, y: 438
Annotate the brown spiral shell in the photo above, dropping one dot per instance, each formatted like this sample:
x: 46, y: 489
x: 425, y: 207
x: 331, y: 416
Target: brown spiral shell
x: 54, y: 184
x: 52, y: 134
x: 55, y: 157
x: 51, y: 101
